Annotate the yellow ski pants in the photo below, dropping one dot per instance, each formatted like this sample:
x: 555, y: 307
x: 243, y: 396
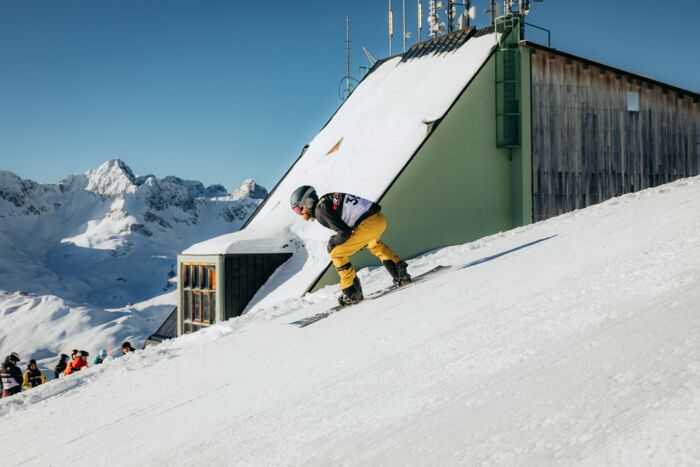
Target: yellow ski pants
x: 369, y: 234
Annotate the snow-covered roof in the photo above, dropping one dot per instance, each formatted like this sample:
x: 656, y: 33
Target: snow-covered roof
x: 360, y: 150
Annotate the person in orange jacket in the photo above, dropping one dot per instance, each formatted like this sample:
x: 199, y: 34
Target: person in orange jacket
x: 79, y: 362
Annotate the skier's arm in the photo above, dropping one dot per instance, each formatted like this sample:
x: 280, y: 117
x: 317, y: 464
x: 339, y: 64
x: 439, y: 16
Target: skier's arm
x: 332, y: 220
x: 17, y: 375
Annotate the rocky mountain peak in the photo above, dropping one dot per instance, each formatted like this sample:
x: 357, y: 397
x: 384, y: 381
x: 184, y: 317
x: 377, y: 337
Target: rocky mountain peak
x: 112, y: 178
x: 14, y: 189
x: 249, y: 189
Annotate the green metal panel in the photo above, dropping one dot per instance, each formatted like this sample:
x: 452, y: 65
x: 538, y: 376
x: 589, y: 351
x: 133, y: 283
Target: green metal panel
x: 459, y: 186
x: 522, y: 162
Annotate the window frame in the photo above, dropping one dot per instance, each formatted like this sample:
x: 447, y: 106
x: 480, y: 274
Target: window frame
x: 198, y: 286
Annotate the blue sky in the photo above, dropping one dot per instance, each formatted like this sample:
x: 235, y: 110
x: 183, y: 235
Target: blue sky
x: 220, y: 91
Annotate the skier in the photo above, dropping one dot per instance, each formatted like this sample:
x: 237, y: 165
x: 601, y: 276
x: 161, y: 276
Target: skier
x: 101, y: 357
x: 126, y: 347
x: 79, y: 362
x: 11, y: 375
x: 61, y: 365
x: 358, y: 223
x: 33, y: 377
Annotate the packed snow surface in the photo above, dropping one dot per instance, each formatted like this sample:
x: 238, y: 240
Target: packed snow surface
x: 361, y: 150
x: 573, y: 341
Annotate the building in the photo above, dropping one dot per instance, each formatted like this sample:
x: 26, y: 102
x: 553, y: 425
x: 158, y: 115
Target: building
x: 462, y: 136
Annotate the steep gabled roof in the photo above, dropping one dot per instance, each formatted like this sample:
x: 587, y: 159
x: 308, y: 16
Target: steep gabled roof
x: 361, y: 150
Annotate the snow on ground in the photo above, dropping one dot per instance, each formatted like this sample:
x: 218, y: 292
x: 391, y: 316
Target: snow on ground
x: 574, y: 341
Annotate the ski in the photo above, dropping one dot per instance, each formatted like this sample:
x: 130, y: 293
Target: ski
x: 302, y: 323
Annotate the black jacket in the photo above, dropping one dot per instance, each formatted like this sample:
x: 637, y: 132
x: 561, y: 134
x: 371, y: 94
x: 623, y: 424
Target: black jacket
x: 34, y: 377
x: 60, y: 368
x: 343, y: 212
x: 10, y: 372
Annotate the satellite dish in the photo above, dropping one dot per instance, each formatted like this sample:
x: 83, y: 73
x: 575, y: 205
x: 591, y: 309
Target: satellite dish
x: 472, y: 12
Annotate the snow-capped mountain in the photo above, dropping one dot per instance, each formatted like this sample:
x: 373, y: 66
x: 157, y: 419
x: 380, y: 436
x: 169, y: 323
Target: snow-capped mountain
x: 103, y: 239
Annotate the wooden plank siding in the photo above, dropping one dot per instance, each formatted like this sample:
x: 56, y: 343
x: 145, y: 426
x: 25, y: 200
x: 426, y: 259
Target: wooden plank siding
x: 587, y: 147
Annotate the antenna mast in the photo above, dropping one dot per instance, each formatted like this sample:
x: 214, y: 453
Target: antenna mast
x: 420, y: 21
x: 450, y: 15
x: 391, y: 27
x: 369, y: 56
x: 347, y: 55
x: 403, y: 4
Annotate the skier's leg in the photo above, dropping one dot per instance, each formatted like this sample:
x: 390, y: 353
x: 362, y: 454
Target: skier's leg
x: 377, y: 224
x: 371, y: 230
x: 340, y: 257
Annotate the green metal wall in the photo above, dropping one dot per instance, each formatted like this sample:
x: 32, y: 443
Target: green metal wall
x: 459, y: 186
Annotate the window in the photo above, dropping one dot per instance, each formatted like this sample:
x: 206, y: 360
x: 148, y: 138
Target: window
x: 197, y: 300
x: 633, y: 101
x: 187, y: 305
x: 205, y: 308
x: 205, y: 277
x: 198, y: 295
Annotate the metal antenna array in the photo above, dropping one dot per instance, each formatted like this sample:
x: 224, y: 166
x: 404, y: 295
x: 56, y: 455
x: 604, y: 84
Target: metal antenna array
x: 432, y: 18
x: 520, y: 8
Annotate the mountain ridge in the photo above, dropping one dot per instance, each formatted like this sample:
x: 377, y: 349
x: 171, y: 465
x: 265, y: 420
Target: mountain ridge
x: 95, y: 245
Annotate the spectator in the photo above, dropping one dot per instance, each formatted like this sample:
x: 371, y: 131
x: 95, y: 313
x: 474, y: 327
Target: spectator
x: 126, y: 347
x: 61, y: 366
x: 33, y: 377
x: 101, y: 357
x: 79, y: 362
x: 11, y: 375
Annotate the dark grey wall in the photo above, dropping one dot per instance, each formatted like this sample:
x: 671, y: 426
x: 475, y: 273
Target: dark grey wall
x: 587, y: 147
x: 245, y: 274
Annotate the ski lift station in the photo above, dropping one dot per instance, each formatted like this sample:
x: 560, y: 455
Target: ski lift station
x: 466, y: 134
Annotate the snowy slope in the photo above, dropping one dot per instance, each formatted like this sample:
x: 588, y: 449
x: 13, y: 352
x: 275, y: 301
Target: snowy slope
x: 574, y: 341
x: 81, y: 260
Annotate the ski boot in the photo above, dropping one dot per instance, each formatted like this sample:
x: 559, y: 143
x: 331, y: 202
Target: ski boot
x: 398, y: 271
x: 351, y: 295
